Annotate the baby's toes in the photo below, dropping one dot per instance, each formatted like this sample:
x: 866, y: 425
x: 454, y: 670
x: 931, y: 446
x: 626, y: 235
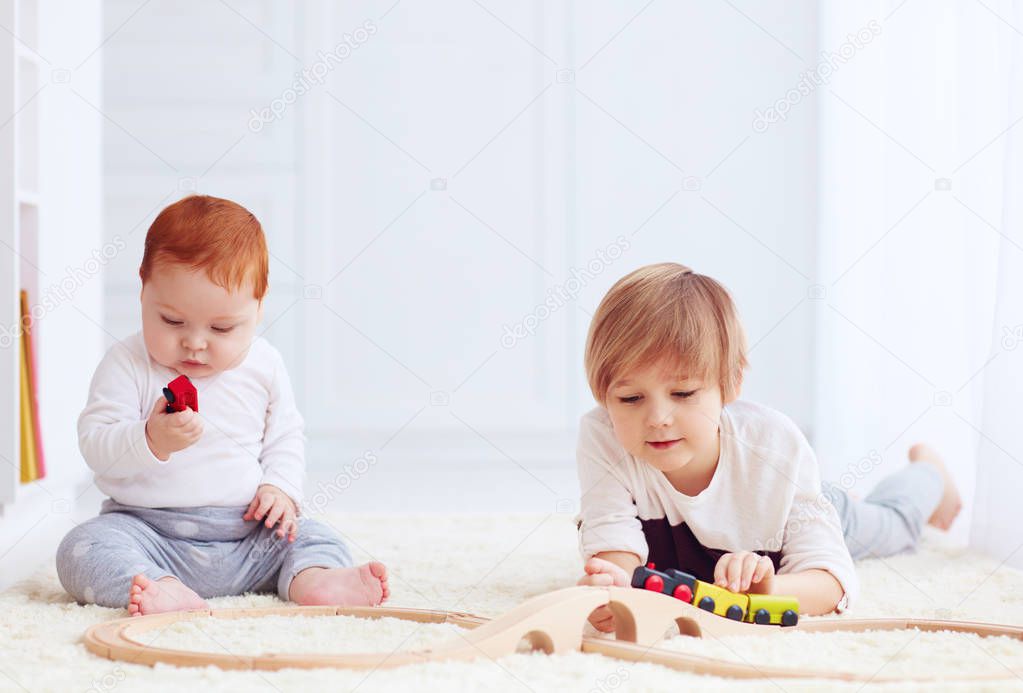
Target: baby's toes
x: 384, y: 584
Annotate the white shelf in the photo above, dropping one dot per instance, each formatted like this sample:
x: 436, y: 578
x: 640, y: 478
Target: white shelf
x: 58, y: 500
x: 28, y: 55
x: 30, y: 491
x: 28, y: 251
x: 49, y: 490
x: 21, y: 206
x: 26, y: 124
x: 27, y: 23
x: 9, y: 425
x: 28, y: 198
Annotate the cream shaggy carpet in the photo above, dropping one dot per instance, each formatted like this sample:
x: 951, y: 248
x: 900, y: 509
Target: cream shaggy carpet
x: 485, y: 564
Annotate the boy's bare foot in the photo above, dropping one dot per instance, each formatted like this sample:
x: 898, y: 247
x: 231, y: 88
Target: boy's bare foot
x: 158, y: 596
x: 951, y: 503
x: 364, y: 585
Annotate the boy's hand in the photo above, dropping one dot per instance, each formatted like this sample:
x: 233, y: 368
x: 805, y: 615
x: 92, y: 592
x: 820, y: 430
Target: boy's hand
x: 602, y: 573
x: 745, y: 571
x: 275, y: 505
x: 167, y: 433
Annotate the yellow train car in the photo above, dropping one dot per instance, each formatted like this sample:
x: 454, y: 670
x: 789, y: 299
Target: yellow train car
x: 720, y: 601
x: 772, y: 609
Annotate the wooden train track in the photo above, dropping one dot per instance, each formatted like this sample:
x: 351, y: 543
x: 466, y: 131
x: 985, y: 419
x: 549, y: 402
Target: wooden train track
x: 551, y: 622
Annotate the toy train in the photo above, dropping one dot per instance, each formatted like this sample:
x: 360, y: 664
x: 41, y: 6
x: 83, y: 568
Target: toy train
x: 763, y: 609
x: 181, y: 394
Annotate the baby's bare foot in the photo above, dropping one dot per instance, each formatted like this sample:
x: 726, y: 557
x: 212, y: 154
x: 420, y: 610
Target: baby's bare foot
x: 158, y: 596
x: 365, y: 585
x: 951, y: 503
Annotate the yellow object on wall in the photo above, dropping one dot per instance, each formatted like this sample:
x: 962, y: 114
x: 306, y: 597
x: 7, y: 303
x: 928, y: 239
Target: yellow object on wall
x: 29, y: 466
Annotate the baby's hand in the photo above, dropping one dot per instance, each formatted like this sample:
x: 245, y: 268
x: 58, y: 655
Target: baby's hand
x: 276, y: 505
x: 603, y: 573
x: 167, y: 433
x: 745, y: 571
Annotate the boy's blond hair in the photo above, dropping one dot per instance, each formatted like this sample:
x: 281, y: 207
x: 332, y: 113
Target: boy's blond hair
x: 666, y: 311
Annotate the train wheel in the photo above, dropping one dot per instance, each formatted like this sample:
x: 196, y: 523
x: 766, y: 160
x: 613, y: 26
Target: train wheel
x: 734, y: 612
x: 684, y: 593
x: 654, y: 583
x: 707, y: 604
x: 789, y: 618
x: 763, y: 617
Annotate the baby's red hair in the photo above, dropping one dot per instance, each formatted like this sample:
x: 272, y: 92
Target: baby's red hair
x: 212, y: 234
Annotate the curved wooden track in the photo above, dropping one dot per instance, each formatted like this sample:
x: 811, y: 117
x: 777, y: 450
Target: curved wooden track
x: 551, y: 622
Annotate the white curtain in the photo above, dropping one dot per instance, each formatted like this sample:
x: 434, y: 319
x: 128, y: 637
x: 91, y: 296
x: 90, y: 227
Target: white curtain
x: 918, y: 243
x: 998, y: 511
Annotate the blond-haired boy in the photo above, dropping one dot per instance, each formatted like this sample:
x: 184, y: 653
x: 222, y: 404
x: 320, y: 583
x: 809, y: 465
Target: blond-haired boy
x: 675, y: 469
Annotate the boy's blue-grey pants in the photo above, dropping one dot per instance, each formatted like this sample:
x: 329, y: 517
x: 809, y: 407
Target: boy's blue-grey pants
x: 211, y: 550
x: 890, y: 519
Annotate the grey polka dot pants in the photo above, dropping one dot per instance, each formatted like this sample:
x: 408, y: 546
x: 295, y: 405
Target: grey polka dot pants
x: 211, y: 550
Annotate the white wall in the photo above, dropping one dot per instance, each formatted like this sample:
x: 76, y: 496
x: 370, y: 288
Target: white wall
x: 179, y: 80
x: 556, y: 128
x: 687, y: 79
x: 551, y: 145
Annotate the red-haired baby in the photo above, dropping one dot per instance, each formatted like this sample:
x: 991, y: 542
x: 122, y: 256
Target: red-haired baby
x: 202, y: 505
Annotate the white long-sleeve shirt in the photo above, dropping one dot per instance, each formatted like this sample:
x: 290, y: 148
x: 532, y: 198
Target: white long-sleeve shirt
x: 252, y: 431
x: 765, y: 496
